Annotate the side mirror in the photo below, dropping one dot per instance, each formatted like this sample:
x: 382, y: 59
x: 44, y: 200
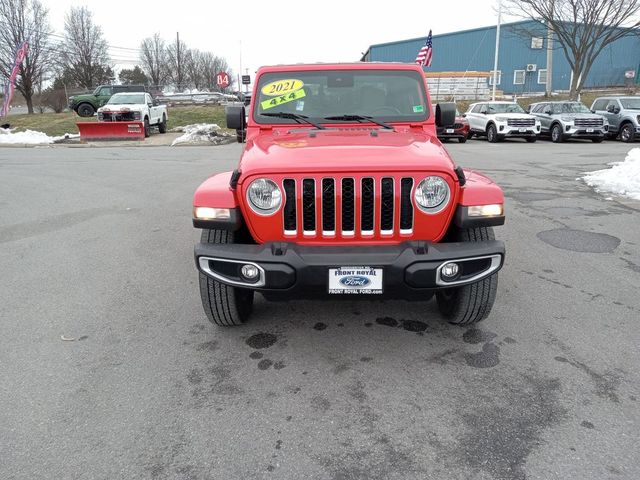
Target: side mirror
x: 445, y: 114
x: 156, y: 102
x: 235, y: 117
x: 464, y: 115
x: 593, y: 111
x: 547, y: 111
x: 616, y: 110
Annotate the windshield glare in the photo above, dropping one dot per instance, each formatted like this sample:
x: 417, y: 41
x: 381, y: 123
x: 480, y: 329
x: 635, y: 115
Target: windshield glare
x: 630, y: 103
x: 573, y: 107
x: 386, y: 95
x: 505, y: 108
x: 126, y: 99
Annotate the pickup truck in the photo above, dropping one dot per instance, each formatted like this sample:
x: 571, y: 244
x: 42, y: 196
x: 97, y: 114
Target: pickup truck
x: 86, y: 104
x: 123, y: 107
x: 343, y: 190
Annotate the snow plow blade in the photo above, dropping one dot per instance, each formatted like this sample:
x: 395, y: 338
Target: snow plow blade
x: 110, y: 131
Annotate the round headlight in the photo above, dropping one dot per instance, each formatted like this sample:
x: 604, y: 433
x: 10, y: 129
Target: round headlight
x: 432, y: 194
x: 265, y: 196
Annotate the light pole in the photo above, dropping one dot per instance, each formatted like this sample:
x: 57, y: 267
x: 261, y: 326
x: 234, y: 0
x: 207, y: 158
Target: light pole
x: 495, y: 58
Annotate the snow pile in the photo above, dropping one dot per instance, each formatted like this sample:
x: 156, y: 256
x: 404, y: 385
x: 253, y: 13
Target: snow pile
x: 202, y: 133
x: 622, y: 179
x: 30, y: 137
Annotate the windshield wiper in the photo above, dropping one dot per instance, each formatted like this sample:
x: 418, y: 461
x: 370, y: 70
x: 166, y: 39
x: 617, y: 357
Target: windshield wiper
x: 360, y: 119
x: 294, y: 116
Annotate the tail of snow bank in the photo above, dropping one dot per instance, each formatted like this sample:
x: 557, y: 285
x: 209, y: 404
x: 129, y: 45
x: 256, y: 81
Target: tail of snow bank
x: 622, y: 179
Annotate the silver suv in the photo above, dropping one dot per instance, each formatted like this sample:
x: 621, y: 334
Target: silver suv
x: 563, y: 120
x: 623, y: 114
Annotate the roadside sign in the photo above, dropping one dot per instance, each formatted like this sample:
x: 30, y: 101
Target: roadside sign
x: 222, y: 79
x: 246, y: 79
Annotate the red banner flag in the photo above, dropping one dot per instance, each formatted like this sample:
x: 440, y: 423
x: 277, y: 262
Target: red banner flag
x: 11, y: 86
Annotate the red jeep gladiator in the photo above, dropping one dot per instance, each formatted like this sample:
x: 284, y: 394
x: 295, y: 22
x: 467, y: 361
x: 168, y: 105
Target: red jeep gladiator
x: 343, y: 190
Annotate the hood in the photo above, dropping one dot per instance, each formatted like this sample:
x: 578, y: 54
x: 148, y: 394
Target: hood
x: 344, y: 150
x: 513, y: 115
x: 589, y: 116
x: 117, y: 108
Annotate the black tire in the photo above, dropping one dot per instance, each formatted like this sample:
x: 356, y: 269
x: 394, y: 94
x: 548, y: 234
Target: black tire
x: 627, y: 133
x: 470, y: 135
x: 86, y: 110
x: 531, y: 139
x: 224, y: 305
x: 492, y: 134
x: 162, y: 126
x: 147, y: 127
x: 556, y: 133
x: 470, y: 303
x: 597, y: 140
x: 444, y: 140
x: 462, y: 139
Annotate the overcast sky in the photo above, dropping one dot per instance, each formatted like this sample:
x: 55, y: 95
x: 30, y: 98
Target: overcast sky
x: 274, y: 32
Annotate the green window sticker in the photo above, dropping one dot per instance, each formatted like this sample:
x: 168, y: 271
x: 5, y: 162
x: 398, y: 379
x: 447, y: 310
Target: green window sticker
x: 289, y: 97
x: 418, y: 109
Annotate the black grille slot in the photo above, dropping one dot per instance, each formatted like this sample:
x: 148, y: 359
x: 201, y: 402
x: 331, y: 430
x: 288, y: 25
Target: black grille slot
x: 366, y: 210
x: 348, y: 205
x: 290, y: 223
x: 386, y: 206
x: 308, y: 205
x: 328, y: 205
x: 406, y: 208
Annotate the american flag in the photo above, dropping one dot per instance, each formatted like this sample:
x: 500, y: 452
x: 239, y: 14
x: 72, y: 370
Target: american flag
x: 426, y: 53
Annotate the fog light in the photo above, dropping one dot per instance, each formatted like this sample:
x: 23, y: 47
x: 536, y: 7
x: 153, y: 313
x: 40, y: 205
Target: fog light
x: 450, y: 270
x: 250, y: 272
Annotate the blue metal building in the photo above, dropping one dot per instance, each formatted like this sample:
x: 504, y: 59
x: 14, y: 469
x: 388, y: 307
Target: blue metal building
x: 522, y: 57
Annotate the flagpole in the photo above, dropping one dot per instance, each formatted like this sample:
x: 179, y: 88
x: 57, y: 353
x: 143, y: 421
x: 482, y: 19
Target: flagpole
x: 495, y: 59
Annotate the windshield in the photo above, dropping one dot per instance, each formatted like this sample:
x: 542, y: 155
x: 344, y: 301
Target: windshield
x: 631, y: 103
x: 395, y: 95
x: 504, y: 108
x: 119, y: 99
x: 573, y: 107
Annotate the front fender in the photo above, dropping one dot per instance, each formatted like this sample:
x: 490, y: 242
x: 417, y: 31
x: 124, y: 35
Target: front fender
x: 216, y: 192
x: 479, y: 190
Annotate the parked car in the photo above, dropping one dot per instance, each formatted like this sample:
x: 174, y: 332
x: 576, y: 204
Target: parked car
x: 564, y: 120
x: 459, y: 130
x: 86, y: 105
x: 123, y: 107
x: 623, y: 114
x: 343, y: 190
x: 500, y: 120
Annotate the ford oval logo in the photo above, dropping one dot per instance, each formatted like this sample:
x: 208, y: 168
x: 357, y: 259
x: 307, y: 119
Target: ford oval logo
x: 355, y: 281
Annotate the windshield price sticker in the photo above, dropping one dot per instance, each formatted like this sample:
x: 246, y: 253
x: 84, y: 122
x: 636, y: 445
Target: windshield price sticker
x: 280, y: 87
x: 282, y: 99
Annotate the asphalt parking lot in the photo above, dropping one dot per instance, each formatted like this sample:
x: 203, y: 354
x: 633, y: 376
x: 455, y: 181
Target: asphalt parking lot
x: 110, y: 369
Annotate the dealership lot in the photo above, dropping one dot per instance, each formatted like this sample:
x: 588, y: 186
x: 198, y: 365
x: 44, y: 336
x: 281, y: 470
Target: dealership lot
x: 111, y: 370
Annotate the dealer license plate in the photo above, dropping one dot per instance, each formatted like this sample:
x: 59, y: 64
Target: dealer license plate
x: 355, y: 281
x: 449, y: 130
x: 523, y: 130
x: 589, y: 130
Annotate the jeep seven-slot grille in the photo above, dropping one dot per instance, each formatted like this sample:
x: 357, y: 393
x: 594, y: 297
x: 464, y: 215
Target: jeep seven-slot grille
x: 588, y: 122
x: 375, y: 201
x: 521, y: 122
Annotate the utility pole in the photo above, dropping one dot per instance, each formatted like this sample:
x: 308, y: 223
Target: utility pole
x: 179, y: 72
x: 549, y: 85
x: 495, y: 58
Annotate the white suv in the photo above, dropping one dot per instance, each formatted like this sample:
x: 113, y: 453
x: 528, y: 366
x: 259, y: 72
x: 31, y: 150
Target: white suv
x: 499, y: 120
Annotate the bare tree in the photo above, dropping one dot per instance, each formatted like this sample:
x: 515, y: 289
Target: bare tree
x: 85, y: 56
x: 211, y: 65
x: 195, y: 68
x: 153, y: 56
x: 583, y: 27
x: 176, y: 53
x: 25, y: 20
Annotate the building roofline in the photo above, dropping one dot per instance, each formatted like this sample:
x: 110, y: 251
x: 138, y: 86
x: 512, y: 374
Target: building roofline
x: 448, y: 33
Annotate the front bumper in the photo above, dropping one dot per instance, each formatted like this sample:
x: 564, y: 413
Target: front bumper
x: 584, y: 132
x: 511, y: 131
x: 302, y: 271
